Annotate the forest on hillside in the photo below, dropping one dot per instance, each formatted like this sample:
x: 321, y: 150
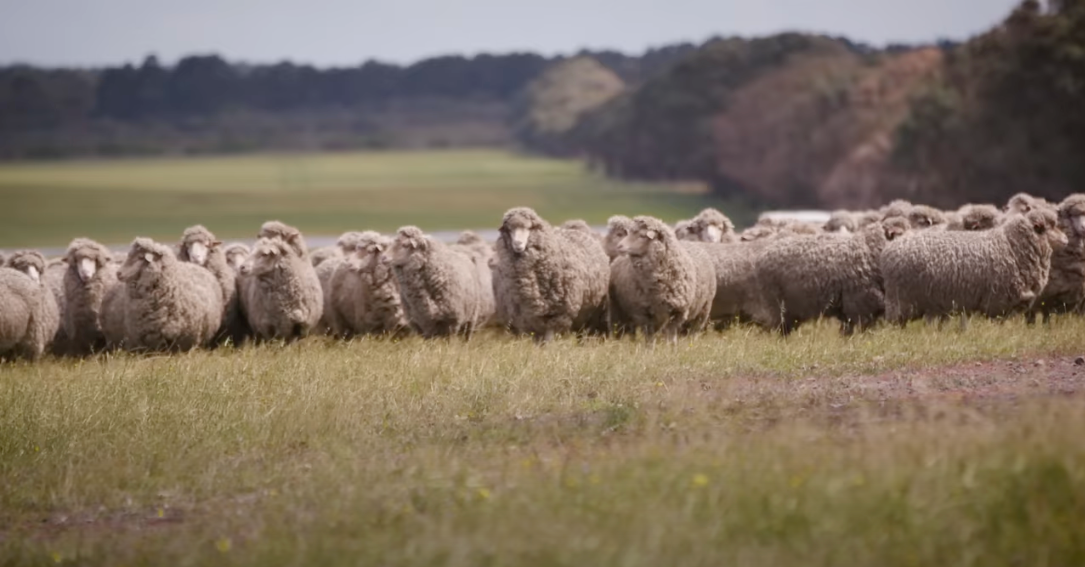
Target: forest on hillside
x: 785, y: 120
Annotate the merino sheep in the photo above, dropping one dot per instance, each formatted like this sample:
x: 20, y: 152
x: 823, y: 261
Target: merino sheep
x: 622, y: 291
x: 709, y: 225
x: 618, y: 227
x: 236, y: 254
x: 168, y: 304
x: 438, y: 285
x: 482, y: 254
x: 288, y: 234
x: 199, y: 246
x: 1022, y: 203
x: 841, y: 221
x: 994, y: 272
x: 325, y: 271
x: 674, y: 281
x: 919, y: 216
x: 978, y: 217
x: 553, y: 281
x: 280, y: 293
x: 1065, y: 289
x: 91, y: 273
x: 828, y: 275
x: 29, y: 316
x: 365, y: 293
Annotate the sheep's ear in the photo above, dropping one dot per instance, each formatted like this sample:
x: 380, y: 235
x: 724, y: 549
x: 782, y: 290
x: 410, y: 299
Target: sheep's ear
x: 652, y: 235
x: 150, y: 257
x: 216, y: 244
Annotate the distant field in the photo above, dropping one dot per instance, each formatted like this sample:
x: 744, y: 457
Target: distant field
x: 893, y: 448
x: 48, y: 203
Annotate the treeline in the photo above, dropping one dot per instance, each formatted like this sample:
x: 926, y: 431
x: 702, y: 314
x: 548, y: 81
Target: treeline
x: 203, y: 100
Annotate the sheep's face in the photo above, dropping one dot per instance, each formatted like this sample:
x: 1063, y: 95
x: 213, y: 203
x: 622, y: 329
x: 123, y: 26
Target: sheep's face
x: 712, y: 233
x: 1021, y: 203
x: 616, y: 232
x: 1045, y: 223
x: 141, y: 261
x: 236, y: 256
x: 407, y: 245
x: 29, y: 263
x: 1072, y: 215
x: 517, y: 231
x: 641, y: 241
x: 87, y: 264
x: 373, y: 253
x: 924, y: 217
x: 977, y: 218
x: 265, y: 258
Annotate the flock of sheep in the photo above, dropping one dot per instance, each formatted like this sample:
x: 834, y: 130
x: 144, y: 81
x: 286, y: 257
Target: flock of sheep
x: 902, y: 262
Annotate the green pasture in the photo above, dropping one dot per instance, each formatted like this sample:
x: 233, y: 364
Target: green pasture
x: 49, y: 203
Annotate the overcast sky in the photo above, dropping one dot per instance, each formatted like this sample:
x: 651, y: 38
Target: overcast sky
x: 346, y: 32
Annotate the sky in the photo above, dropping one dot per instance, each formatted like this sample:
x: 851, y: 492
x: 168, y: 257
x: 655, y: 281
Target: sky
x: 345, y: 32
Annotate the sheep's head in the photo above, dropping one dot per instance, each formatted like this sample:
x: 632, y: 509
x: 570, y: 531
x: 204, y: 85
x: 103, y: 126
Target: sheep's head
x: 895, y: 227
x: 1071, y: 213
x: 196, y: 245
x: 979, y: 217
x: 371, y: 249
x: 648, y: 234
x: 896, y: 208
x: 29, y: 262
x: 286, y: 233
x: 841, y: 221
x: 618, y: 227
x: 268, y: 255
x: 348, y: 242
x: 236, y: 254
x: 757, y: 232
x: 518, y: 225
x: 87, y: 258
x: 709, y: 225
x: 410, y: 240
x: 145, y: 256
x: 922, y: 216
x: 1045, y: 222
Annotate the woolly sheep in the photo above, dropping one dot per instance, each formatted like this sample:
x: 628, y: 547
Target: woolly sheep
x: 919, y: 216
x: 438, y: 285
x: 841, y: 221
x: 90, y: 274
x: 554, y: 281
x: 709, y: 225
x: 975, y: 217
x: 994, y: 272
x: 166, y: 304
x: 236, y: 254
x: 674, y: 280
x: 1023, y: 202
x: 29, y: 317
x: 1065, y: 289
x: 365, y: 293
x: 828, y: 275
x: 618, y: 227
x: 482, y: 254
x: 623, y: 293
x: 280, y: 293
x: 288, y: 234
x: 325, y: 271
x: 199, y: 246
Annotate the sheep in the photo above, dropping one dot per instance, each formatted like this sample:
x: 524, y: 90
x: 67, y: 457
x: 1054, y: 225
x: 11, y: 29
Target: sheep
x: 199, y: 246
x: 1023, y: 203
x: 975, y: 217
x: 622, y: 290
x: 841, y: 221
x: 280, y: 293
x: 91, y: 273
x: 288, y: 234
x: 29, y: 316
x: 618, y: 226
x: 674, y: 280
x: 554, y: 281
x: 919, y: 216
x: 322, y: 255
x: 829, y: 275
x: 895, y: 208
x: 709, y: 225
x: 1065, y: 289
x: 236, y: 254
x: 482, y: 254
x: 438, y: 285
x: 166, y: 304
x: 365, y: 293
x: 325, y: 271
x: 579, y: 224
x: 994, y: 272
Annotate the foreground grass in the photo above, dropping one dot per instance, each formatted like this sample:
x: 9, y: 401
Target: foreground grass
x: 741, y: 448
x: 46, y: 204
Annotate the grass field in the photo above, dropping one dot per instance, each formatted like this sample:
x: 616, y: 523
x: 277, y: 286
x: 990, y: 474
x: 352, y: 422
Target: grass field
x: 48, y: 203
x: 912, y: 447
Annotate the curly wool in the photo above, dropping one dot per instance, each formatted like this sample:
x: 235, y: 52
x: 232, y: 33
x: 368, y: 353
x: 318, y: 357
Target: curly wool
x: 672, y: 282
x: 91, y: 273
x: 167, y: 305
x: 438, y: 285
x: 365, y: 293
x: 829, y: 275
x: 556, y: 283
x: 993, y: 272
x: 199, y: 246
x: 1065, y: 289
x: 280, y: 293
x: 29, y: 316
x: 345, y: 246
